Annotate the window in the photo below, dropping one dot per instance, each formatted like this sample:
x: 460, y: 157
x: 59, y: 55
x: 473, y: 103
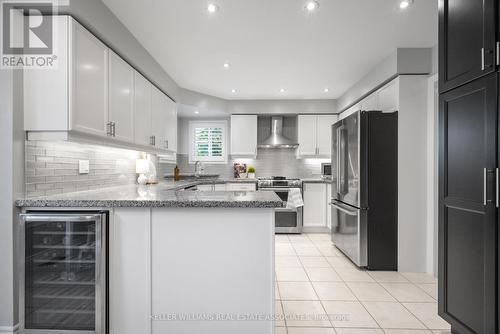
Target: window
x: 207, y: 141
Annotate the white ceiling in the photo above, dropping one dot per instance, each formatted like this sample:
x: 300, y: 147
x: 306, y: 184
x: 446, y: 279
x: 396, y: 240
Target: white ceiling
x: 273, y: 44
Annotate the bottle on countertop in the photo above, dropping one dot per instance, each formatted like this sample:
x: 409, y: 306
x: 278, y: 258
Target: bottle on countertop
x: 177, y: 173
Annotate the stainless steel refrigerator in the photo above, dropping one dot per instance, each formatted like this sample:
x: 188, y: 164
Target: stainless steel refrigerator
x: 364, y: 188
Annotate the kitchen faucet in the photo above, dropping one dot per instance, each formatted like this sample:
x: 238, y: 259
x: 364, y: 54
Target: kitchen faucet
x: 198, y: 168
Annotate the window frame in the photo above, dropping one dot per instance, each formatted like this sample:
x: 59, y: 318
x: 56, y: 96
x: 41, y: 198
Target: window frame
x: 213, y: 160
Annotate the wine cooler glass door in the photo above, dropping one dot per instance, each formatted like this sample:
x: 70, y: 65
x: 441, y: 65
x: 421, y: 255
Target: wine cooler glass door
x: 63, y: 266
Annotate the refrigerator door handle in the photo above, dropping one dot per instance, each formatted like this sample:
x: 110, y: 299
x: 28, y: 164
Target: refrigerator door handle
x: 338, y: 161
x: 344, y: 210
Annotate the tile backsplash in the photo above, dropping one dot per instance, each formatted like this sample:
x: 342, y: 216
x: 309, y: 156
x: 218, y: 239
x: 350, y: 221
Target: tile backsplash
x: 269, y: 162
x: 52, y: 167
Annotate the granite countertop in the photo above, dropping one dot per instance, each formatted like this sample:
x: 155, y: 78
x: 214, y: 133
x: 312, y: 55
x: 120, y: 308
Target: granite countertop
x: 317, y: 180
x: 207, y: 180
x: 165, y: 194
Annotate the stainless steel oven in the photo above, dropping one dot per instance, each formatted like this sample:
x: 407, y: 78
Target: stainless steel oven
x: 287, y: 220
x: 63, y: 272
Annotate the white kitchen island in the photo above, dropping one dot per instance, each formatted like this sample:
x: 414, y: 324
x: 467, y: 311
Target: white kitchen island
x: 184, y: 262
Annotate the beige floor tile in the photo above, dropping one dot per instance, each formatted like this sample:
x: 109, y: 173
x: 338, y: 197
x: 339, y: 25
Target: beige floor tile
x: 292, y: 275
x: 430, y: 288
x: 420, y: 277
x: 288, y: 262
x: 340, y: 262
x: 354, y: 275
x: 323, y: 275
x: 299, y: 239
x: 276, y: 291
x: 349, y: 314
x: 359, y: 331
x: 442, y: 332
x: 407, y: 292
x: 279, y: 315
x: 281, y: 238
x: 297, y: 291
x: 388, y: 277
x: 319, y: 236
x: 306, y: 250
x: 280, y: 330
x: 370, y: 292
x: 314, y: 262
x: 305, y: 313
x: 333, y: 291
x: 329, y: 250
x: 393, y: 315
x: 310, y: 330
x: 428, y: 314
x: 284, y: 249
x: 407, y: 331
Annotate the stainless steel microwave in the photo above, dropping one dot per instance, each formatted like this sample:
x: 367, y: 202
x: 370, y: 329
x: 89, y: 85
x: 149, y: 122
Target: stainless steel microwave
x: 326, y: 169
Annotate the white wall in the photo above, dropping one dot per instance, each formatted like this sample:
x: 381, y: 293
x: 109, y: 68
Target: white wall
x: 412, y: 170
x: 11, y: 188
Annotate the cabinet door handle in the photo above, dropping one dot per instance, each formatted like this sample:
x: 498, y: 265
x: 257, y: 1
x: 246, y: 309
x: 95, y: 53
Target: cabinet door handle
x: 485, y: 175
x: 108, y: 129
x: 154, y: 140
x: 113, y: 129
x: 498, y: 53
x: 497, y: 186
x: 482, y: 59
x: 166, y: 143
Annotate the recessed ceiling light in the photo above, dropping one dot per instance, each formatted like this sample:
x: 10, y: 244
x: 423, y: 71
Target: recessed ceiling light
x: 326, y: 90
x: 226, y: 65
x: 312, y: 5
x: 282, y: 90
x: 212, y: 8
x: 196, y: 112
x: 233, y: 90
x: 405, y: 4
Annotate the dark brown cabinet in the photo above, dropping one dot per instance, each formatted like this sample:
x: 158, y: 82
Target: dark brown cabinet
x: 467, y: 43
x: 468, y: 206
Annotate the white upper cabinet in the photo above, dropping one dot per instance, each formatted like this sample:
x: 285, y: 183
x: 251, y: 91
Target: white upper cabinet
x: 92, y: 94
x: 306, y: 135
x: 171, y: 135
x: 121, y: 98
x: 89, y: 82
x: 325, y: 123
x: 142, y: 110
x: 314, y: 135
x: 164, y: 118
x: 244, y: 135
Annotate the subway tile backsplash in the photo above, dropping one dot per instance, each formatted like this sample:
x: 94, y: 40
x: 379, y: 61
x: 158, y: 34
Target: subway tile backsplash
x: 269, y: 162
x: 52, y: 167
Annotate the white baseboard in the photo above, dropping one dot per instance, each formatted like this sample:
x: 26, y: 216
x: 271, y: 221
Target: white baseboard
x: 10, y: 329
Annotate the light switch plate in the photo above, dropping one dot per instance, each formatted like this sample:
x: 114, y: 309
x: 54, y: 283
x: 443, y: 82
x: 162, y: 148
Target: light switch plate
x: 83, y: 166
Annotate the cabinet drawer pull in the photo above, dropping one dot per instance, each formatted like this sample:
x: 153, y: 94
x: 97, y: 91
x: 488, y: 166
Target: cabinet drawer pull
x: 485, y: 175
x: 497, y: 184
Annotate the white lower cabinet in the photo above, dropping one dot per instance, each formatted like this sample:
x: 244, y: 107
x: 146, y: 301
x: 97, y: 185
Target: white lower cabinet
x: 130, y: 271
x: 315, y: 207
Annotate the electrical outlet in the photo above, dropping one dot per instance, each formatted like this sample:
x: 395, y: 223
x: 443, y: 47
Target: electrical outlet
x: 83, y: 166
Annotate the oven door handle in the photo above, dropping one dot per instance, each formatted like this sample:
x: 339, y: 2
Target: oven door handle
x: 344, y: 210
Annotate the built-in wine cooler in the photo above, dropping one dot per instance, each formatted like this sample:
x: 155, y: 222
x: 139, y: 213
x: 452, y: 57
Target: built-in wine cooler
x: 64, y: 274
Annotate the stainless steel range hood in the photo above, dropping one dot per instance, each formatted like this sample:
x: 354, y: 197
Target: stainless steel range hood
x: 277, y: 139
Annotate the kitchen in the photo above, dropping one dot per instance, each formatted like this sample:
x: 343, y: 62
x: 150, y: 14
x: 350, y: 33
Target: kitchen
x: 174, y: 167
